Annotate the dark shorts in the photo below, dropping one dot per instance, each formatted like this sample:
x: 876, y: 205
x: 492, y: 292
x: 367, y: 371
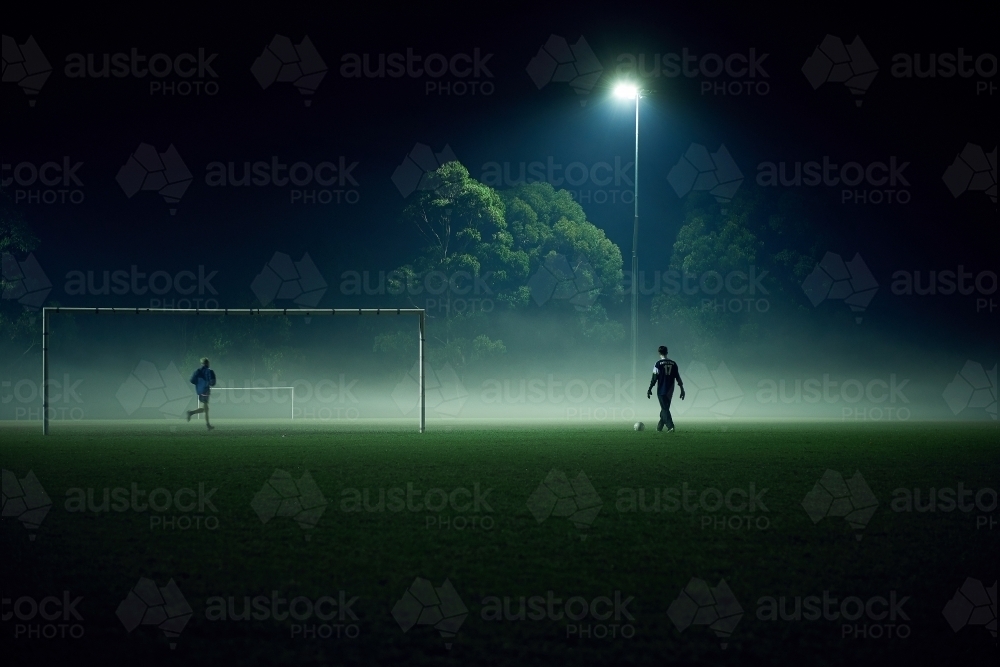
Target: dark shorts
x: 203, y: 398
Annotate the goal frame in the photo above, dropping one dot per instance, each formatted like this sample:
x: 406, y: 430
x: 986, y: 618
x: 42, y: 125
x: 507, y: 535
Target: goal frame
x: 49, y: 311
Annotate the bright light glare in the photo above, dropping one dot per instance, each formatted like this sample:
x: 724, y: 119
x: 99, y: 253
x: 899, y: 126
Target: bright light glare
x: 626, y: 91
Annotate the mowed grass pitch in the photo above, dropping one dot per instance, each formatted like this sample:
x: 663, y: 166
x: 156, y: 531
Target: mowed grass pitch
x: 649, y: 556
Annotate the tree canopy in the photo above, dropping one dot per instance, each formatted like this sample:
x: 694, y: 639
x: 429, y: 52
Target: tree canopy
x: 17, y: 324
x: 500, y: 240
x: 767, y: 238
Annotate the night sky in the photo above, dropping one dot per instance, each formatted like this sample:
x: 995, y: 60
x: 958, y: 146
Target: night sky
x: 491, y: 115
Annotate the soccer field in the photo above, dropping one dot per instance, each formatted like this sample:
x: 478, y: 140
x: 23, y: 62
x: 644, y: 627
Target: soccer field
x: 384, y: 546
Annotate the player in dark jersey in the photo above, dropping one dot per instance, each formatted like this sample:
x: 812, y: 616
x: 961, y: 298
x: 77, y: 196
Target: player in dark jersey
x: 664, y: 375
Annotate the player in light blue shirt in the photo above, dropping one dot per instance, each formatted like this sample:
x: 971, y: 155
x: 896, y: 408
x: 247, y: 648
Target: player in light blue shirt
x: 203, y: 379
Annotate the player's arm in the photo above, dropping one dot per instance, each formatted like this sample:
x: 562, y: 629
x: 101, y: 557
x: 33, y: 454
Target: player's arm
x: 652, y: 382
x: 677, y: 379
x: 211, y: 378
x: 194, y: 378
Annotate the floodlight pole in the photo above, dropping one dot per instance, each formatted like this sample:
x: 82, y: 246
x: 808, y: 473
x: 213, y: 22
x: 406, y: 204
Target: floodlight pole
x: 423, y: 415
x: 635, y: 254
x: 45, y: 371
x: 55, y: 310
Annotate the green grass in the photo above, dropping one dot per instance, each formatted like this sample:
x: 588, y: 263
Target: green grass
x: 650, y: 556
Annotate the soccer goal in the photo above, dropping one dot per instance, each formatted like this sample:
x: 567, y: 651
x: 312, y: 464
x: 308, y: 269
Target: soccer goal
x: 49, y: 312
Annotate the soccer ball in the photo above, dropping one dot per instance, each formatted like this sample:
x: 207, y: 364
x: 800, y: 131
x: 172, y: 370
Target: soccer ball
x: 639, y: 426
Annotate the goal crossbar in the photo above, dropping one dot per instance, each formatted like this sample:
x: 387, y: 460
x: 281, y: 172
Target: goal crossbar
x: 49, y: 311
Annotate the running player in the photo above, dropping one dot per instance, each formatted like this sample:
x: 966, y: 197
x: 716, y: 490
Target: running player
x: 203, y: 379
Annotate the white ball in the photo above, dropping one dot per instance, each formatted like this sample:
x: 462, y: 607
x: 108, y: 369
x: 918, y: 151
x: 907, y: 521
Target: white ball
x: 639, y: 426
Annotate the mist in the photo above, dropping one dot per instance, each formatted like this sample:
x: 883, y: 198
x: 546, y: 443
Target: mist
x: 129, y: 367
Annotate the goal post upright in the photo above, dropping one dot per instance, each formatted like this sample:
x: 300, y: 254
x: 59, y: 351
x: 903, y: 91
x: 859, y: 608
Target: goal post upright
x: 48, y: 311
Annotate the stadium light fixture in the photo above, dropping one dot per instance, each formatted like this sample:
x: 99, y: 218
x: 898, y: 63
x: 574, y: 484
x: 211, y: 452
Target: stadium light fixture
x: 626, y: 91
x: 630, y: 91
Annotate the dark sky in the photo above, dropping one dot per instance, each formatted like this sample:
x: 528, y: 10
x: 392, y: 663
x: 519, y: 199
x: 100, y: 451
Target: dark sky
x: 502, y: 117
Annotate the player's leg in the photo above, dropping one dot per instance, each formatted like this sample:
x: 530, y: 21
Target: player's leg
x: 191, y: 413
x: 204, y: 404
x: 665, y: 411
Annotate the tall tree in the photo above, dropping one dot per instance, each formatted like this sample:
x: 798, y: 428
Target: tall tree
x: 18, y: 325
x: 771, y: 239
x: 552, y: 229
x: 467, y: 245
x: 514, y: 243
